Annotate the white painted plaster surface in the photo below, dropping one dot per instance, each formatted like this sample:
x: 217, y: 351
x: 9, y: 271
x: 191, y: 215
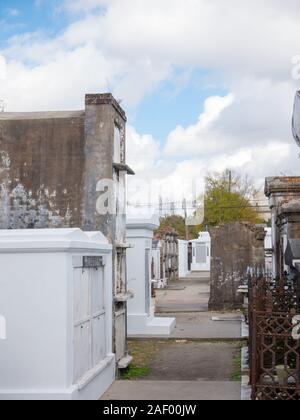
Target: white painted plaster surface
x: 202, y: 245
x: 37, y: 300
x: 140, y: 309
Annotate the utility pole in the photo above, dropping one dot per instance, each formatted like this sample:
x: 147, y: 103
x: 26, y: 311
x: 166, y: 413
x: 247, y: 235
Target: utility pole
x: 2, y: 105
x: 172, y: 208
x: 229, y: 180
x: 160, y: 207
x: 184, y: 206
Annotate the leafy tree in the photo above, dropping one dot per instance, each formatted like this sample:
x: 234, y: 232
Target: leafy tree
x: 228, y: 199
x: 178, y: 223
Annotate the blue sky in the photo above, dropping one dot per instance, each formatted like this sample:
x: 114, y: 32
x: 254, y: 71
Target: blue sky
x: 19, y: 17
x: 179, y: 105
x: 170, y: 106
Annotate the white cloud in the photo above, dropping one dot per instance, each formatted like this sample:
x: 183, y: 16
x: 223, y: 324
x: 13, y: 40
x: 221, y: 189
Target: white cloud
x: 201, y: 137
x: 208, y: 33
x: 260, y: 113
x: 55, y: 85
x: 174, y: 180
x: 130, y: 46
x: 143, y: 40
x: 3, y: 68
x: 213, y: 108
x: 143, y: 152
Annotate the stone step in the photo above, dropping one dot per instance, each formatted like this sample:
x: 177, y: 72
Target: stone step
x: 174, y: 391
x: 198, y: 274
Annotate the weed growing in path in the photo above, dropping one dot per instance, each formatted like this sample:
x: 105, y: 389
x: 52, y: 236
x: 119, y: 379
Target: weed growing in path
x: 237, y: 367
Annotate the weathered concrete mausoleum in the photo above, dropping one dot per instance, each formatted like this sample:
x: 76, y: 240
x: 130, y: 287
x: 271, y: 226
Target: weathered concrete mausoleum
x: 66, y: 170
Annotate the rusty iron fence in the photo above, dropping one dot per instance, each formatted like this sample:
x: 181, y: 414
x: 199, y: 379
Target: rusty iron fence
x: 274, y: 321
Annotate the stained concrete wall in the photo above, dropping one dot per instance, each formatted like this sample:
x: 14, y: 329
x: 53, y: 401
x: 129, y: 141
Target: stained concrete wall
x: 235, y: 249
x: 41, y: 170
x: 284, y: 200
x: 51, y: 163
x: 168, y: 238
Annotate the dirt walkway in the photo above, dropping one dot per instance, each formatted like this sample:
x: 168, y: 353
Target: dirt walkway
x: 173, y: 391
x: 195, y: 363
x: 180, y: 370
x: 190, y: 295
x: 184, y: 360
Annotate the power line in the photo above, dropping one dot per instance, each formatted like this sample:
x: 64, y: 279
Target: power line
x: 194, y: 201
x: 167, y: 210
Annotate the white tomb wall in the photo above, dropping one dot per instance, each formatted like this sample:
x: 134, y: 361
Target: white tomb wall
x: 155, y: 266
x: 202, y: 253
x: 58, y: 315
x: 269, y: 252
x: 183, y: 258
x: 141, y: 319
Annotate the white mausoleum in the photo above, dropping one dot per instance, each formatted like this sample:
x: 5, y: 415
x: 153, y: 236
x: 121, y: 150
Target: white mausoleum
x: 56, y: 298
x: 183, y: 258
x: 141, y: 319
x: 269, y: 251
x: 202, y: 252
x: 155, y: 261
x: 158, y: 259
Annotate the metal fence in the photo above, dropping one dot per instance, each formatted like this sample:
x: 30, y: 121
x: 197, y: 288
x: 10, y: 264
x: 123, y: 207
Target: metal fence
x: 274, y: 320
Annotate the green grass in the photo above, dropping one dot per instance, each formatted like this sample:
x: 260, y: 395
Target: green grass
x: 135, y: 372
x: 237, y: 368
x: 142, y: 352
